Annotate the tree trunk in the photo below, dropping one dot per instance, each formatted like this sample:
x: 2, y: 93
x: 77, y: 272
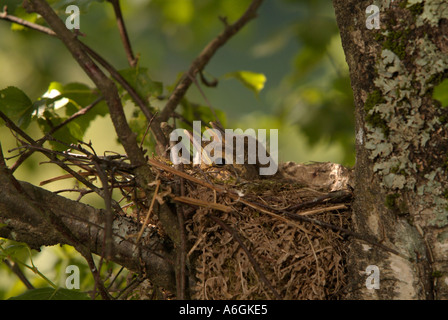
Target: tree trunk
x: 401, y: 141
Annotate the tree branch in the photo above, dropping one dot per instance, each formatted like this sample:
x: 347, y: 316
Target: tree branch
x: 204, y: 57
x: 123, y: 33
x: 41, y: 141
x: 25, y: 223
x: 161, y: 140
x: 104, y: 84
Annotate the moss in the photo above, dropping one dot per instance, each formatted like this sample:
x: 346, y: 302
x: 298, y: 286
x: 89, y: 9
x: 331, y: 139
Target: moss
x: 445, y: 163
x: 435, y: 79
x: 396, y: 169
x: 398, y: 207
x: 437, y: 274
x: 417, y: 9
x: 391, y: 201
x: 403, y: 4
x: 396, y: 42
x: 373, y: 99
x: 375, y: 120
x: 379, y: 37
x: 445, y: 193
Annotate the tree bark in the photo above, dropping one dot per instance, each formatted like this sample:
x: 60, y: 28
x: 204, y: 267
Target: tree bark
x: 42, y: 218
x: 401, y: 142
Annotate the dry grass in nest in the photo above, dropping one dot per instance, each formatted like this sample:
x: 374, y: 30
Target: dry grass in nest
x: 248, y: 249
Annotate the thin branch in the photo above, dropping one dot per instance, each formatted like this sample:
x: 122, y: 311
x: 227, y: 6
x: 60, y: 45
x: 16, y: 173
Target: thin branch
x: 204, y: 57
x: 51, y: 155
x: 160, y: 138
x: 14, y: 267
x: 107, y: 196
x: 104, y: 84
x: 206, y: 100
x: 252, y: 260
x: 32, y: 211
x: 123, y: 33
x: 41, y: 141
x: 5, y: 16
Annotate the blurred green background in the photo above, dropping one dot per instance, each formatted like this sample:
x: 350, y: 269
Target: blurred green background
x: 294, y: 43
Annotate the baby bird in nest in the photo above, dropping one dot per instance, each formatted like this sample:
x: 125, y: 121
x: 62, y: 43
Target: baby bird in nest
x: 239, y: 155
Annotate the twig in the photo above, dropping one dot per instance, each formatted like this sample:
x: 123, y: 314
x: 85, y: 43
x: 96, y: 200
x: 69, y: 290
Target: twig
x: 154, y: 197
x: 206, y: 100
x: 5, y: 16
x: 161, y: 140
x: 85, y: 252
x: 41, y: 141
x: 14, y: 267
x: 147, y: 129
x: 104, y: 84
x: 204, y: 57
x: 50, y: 154
x: 254, y: 263
x: 201, y: 203
x: 107, y: 196
x: 123, y: 33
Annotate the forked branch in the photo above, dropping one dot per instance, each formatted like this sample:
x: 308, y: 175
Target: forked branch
x: 205, y: 56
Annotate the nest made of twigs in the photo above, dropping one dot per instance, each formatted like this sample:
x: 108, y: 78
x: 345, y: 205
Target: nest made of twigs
x: 243, y: 246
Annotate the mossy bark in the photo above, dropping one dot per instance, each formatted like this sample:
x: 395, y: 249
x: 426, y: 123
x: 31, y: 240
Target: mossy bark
x: 401, y: 145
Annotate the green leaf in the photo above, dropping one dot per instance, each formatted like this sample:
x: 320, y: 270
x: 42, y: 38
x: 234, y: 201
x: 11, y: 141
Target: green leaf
x: 21, y: 13
x: 72, y: 98
x: 14, y: 250
x: 441, y: 92
x: 67, y: 134
x: 78, y: 94
x: 16, y: 105
x: 51, y: 294
x: 139, y: 79
x: 254, y: 81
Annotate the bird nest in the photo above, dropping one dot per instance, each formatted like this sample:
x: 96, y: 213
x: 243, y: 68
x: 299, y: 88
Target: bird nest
x: 276, y: 238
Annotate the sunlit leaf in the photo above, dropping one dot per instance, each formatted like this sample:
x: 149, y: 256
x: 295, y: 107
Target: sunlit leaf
x: 254, y: 81
x: 441, y: 92
x: 20, y: 12
x: 70, y: 98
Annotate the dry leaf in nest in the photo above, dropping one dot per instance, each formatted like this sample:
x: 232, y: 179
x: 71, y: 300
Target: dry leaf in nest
x: 300, y: 260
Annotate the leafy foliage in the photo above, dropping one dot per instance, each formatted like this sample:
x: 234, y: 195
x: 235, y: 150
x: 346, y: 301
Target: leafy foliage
x: 16, y: 105
x: 315, y: 96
